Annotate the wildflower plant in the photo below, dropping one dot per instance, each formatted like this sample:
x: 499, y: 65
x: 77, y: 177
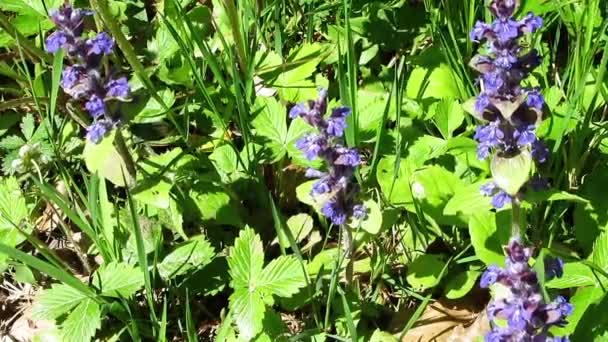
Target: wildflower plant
x: 85, y: 79
x: 511, y: 112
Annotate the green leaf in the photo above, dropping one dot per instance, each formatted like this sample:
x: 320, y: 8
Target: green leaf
x: 248, y: 309
x: 576, y: 274
x: 373, y: 222
x: 246, y: 259
x: 283, y: 276
x: 225, y: 159
x: 193, y: 254
x: 581, y: 301
x: 270, y: 123
x: 28, y: 125
x: 553, y: 195
x: 382, y: 336
x: 511, y: 173
x: 303, y: 193
x: 448, y: 116
x: 213, y: 203
x: 432, y: 78
x: 30, y: 7
x: 82, y: 323
x: 371, y: 100
x: 152, y: 111
x: 56, y: 301
x: 425, y: 272
x: 395, y: 184
x: 117, y: 279
x: 12, y: 142
x: 433, y: 187
x: 590, y: 218
x: 104, y: 159
x: 468, y: 201
x: 459, y: 285
x: 163, y: 45
x: 299, y: 225
x: 599, y: 256
x: 13, y: 210
x: 155, y: 183
x: 489, y: 233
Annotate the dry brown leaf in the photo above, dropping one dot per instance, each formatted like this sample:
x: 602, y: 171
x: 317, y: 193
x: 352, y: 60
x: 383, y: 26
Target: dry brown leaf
x: 446, y: 321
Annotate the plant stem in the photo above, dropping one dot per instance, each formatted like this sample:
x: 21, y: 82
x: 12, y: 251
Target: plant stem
x: 516, y: 218
x: 121, y: 148
x: 348, y: 248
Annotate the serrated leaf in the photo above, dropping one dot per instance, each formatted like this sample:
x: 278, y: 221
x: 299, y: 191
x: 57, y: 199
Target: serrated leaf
x: 215, y: 204
x: 448, y: 116
x: 576, y: 274
x: 283, y: 276
x: 248, y: 310
x: 56, y: 301
x: 599, y: 256
x: 13, y: 211
x: 117, y: 279
x: 433, y: 187
x: 270, y: 123
x: 28, y: 125
x: 12, y: 142
x: 246, y: 259
x: 425, y: 271
x: 154, y: 185
x: 82, y: 323
x: 224, y: 158
x: 152, y: 111
x: 432, y: 78
x: 193, y: 254
x: 395, y: 184
x: 30, y: 7
x: 459, y: 285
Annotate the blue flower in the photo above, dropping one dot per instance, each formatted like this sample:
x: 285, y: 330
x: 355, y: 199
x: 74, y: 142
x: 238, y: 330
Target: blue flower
x: 490, y: 276
x: 102, y: 44
x: 332, y: 210
x: 96, y: 106
x: 501, y: 199
x: 56, y: 41
x: 311, y: 145
x: 481, y: 103
x: 480, y: 31
x: 531, y: 23
x: 554, y: 267
x: 506, y: 30
x: 298, y: 110
x: 525, y: 135
x: 347, y: 157
x: 98, y: 130
x: 488, y: 189
x: 359, y: 211
x: 540, y: 152
x: 118, y: 88
x: 535, y: 99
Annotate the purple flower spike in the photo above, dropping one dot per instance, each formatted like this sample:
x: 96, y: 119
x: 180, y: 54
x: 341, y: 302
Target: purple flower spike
x: 554, y: 267
x: 527, y: 316
x: 333, y: 189
x: 83, y: 78
x: 501, y: 199
x: 535, y: 99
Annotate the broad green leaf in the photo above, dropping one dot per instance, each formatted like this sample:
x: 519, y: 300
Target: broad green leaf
x: 553, y: 195
x: 28, y: 125
x: 303, y: 193
x: 12, y: 142
x: 433, y: 187
x: 30, y: 7
x: 117, y: 279
x: 283, y: 276
x: 459, y: 285
x: 511, y: 173
x: 448, y: 116
x: 246, y: 259
x: 104, y: 159
x: 299, y: 225
x: 576, y: 274
x: 599, y: 256
x: 468, y: 201
x: 432, y: 78
x: 82, y: 323
x: 56, y: 301
x: 425, y: 271
x: 371, y: 103
x: 248, y: 309
x: 382, y: 336
x: 270, y: 123
x: 590, y: 218
x: 225, y: 159
x: 489, y: 233
x: 163, y: 45
x: 373, y: 222
x: 155, y: 182
x: 395, y: 183
x: 581, y: 301
x: 193, y: 254
x: 426, y: 148
x: 152, y: 111
x: 213, y: 203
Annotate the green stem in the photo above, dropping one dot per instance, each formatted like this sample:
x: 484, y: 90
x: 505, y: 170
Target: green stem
x: 348, y: 249
x: 121, y: 148
x: 516, y: 229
